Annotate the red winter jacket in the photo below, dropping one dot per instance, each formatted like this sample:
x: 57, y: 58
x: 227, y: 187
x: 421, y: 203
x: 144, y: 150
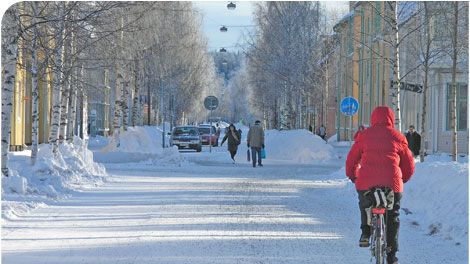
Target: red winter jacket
x: 380, y: 154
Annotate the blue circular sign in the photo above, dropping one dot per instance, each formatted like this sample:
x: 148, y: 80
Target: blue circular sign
x: 349, y: 106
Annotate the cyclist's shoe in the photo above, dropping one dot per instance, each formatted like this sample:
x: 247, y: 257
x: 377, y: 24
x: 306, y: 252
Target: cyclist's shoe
x: 364, y: 240
x: 391, y: 259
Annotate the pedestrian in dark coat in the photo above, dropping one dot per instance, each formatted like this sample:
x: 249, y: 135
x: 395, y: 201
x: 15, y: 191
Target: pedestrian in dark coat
x: 359, y: 130
x: 414, y: 140
x: 234, y: 139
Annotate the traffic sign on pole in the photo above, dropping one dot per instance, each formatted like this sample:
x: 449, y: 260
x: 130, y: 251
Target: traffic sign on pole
x: 349, y: 106
x: 211, y: 102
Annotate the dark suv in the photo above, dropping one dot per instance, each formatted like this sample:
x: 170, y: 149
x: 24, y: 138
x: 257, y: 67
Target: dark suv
x: 186, y: 137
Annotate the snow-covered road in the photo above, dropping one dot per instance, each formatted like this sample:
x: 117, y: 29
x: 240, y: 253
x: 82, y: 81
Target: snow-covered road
x: 209, y: 212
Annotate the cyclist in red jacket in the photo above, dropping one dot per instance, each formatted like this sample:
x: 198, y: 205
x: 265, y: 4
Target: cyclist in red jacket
x: 380, y: 157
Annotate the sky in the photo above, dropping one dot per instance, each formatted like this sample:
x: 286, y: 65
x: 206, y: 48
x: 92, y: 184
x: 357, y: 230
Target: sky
x: 216, y: 14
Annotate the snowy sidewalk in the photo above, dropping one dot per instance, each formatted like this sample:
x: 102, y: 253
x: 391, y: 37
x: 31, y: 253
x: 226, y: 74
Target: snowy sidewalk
x: 221, y: 213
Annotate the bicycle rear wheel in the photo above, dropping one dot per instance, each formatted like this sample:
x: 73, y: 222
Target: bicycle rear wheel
x: 379, y: 246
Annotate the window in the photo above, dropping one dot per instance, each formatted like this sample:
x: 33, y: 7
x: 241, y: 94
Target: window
x: 461, y: 106
x: 439, y: 21
x: 350, y: 35
x: 377, y: 17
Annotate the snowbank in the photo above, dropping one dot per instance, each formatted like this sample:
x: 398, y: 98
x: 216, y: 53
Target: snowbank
x: 97, y: 142
x: 52, y: 176
x: 437, y: 198
x: 297, y: 145
x: 139, y: 144
x: 333, y: 139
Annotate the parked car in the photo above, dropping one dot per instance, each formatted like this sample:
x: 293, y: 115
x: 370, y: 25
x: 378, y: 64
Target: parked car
x: 206, y: 137
x: 186, y: 137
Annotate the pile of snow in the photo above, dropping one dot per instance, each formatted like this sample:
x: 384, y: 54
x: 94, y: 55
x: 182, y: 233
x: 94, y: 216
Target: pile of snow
x: 297, y: 145
x: 52, y: 176
x: 333, y: 139
x: 139, y: 144
x: 437, y: 198
x: 97, y: 142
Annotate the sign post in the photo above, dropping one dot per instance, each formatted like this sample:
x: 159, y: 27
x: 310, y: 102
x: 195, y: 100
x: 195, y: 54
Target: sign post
x: 349, y: 107
x: 211, y: 103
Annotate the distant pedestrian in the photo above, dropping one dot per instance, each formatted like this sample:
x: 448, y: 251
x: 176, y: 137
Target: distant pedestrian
x: 322, y: 132
x: 234, y: 139
x: 310, y: 128
x: 414, y: 140
x: 255, y: 140
x: 359, y: 130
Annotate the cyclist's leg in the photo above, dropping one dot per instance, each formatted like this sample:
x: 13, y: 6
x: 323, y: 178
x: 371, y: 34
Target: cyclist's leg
x: 364, y: 203
x: 393, y: 225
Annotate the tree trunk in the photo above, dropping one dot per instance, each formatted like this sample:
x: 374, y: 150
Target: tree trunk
x: 453, y: 92
x: 10, y: 30
x: 85, y: 116
x: 72, y: 114
x: 136, y: 103
x: 57, y: 81
x: 124, y: 99
x: 424, y: 132
x: 396, y: 68
x: 35, y: 88
x: 117, y: 108
x: 66, y: 86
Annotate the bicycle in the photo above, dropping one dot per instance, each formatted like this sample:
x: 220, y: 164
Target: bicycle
x: 383, y: 201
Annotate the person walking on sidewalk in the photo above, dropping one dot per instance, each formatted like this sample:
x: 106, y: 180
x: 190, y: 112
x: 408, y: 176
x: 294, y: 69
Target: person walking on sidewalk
x: 322, y: 132
x: 359, y: 131
x: 255, y: 140
x: 414, y: 140
x: 234, y: 139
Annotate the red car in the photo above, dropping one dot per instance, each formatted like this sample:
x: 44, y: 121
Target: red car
x: 206, y: 137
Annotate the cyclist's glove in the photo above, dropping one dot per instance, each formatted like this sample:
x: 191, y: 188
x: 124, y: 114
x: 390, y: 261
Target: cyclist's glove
x: 353, y: 180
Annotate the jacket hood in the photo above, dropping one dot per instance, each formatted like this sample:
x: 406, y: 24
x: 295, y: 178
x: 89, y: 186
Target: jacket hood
x: 382, y: 116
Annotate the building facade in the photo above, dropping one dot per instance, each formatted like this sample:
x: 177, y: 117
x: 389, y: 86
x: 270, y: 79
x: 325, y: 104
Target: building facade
x: 437, y: 129
x: 365, y: 71
x: 363, y: 65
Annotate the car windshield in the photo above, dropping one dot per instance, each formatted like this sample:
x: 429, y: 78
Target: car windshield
x: 180, y: 131
x: 204, y: 130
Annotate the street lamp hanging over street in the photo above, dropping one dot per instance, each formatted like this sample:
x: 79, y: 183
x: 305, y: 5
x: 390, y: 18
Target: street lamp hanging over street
x: 222, y: 50
x: 231, y: 6
x: 223, y: 29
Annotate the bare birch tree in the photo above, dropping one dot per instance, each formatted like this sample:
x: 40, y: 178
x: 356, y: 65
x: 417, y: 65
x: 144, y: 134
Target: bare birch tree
x: 453, y: 87
x: 58, y: 78
x: 10, y: 33
x: 35, y: 87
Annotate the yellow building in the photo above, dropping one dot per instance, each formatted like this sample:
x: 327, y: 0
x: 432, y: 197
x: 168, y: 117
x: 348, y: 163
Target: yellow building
x: 21, y: 121
x: 363, y: 65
